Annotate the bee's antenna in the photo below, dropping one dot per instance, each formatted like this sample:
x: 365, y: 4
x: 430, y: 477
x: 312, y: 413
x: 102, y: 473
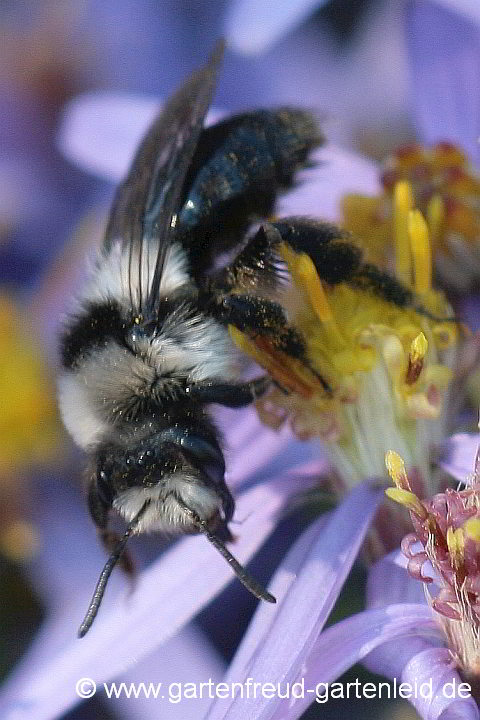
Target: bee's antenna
x: 245, y: 578
x: 99, y: 592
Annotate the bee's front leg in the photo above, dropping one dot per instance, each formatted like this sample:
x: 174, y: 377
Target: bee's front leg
x: 228, y: 394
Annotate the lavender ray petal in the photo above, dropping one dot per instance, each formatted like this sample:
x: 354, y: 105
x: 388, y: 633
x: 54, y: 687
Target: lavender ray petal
x: 100, y: 131
x: 459, y: 456
x: 388, y: 584
x: 297, y: 623
x: 252, y: 26
x: 188, y: 657
x: 348, y: 642
x: 272, y: 453
x: 262, y: 620
x: 320, y: 189
x: 468, y: 8
x: 444, y: 48
x: 434, y: 666
x: 166, y: 597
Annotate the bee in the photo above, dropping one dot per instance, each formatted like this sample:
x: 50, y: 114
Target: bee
x: 147, y: 350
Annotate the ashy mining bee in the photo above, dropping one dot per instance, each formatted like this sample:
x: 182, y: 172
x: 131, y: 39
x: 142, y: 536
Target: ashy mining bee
x: 148, y: 349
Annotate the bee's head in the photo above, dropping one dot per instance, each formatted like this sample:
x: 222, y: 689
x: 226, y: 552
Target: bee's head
x: 175, y: 470
x: 171, y: 480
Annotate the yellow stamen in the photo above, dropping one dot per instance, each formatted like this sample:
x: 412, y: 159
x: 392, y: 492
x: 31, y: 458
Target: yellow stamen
x: 402, y: 204
x: 421, y: 251
x: 418, y: 350
x: 396, y: 470
x: 456, y: 546
x: 409, y: 500
x: 472, y: 528
x: 435, y: 217
x: 305, y: 275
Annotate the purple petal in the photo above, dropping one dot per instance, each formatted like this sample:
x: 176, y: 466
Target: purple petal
x: 188, y: 657
x: 277, y: 650
x: 434, y: 667
x: 100, y: 131
x: 460, y: 452
x: 251, y: 26
x: 320, y: 189
x: 348, y: 642
x: 267, y: 453
x: 389, y: 583
x: 469, y: 8
x: 262, y: 620
x: 167, y: 595
x: 444, y: 51
x: 67, y: 535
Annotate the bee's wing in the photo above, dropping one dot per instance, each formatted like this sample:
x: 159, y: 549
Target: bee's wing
x: 147, y: 200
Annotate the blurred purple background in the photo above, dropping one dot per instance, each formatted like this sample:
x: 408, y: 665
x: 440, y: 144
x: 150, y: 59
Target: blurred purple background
x: 362, y: 65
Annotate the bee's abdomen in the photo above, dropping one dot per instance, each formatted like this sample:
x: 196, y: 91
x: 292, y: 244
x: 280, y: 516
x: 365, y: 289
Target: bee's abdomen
x: 252, y: 156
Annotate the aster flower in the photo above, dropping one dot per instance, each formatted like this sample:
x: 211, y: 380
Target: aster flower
x: 108, y: 653
x: 441, y: 554
x: 387, y: 366
x: 448, y: 529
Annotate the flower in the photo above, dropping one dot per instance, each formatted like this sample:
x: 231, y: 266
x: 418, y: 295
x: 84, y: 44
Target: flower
x: 185, y: 578
x: 448, y: 528
x: 440, y: 553
x: 381, y: 369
